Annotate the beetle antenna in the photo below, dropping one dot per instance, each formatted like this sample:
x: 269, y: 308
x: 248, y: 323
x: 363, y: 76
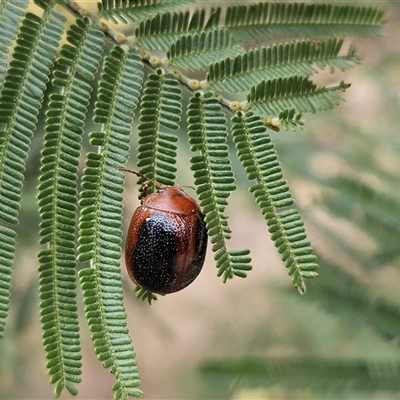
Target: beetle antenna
x: 158, y: 184
x: 188, y: 186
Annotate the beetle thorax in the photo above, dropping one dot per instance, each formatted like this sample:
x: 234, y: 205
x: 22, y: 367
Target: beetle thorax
x: 171, y: 199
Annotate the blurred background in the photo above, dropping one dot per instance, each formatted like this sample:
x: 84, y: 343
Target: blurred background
x: 257, y: 338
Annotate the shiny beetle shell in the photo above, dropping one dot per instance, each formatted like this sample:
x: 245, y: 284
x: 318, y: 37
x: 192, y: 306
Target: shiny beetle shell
x: 167, y: 241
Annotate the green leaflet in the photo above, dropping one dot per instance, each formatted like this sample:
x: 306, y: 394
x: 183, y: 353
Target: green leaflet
x: 289, y: 119
x: 259, y: 23
x: 7, y: 249
x: 271, y: 97
x: 101, y: 200
x: 258, y: 157
x: 106, y: 316
x: 11, y: 14
x: 161, y: 106
x: 160, y: 32
x: 101, y: 219
x: 132, y: 10
x: 21, y: 97
x: 197, y: 51
x: 214, y: 180
x: 65, y: 120
x: 301, y: 58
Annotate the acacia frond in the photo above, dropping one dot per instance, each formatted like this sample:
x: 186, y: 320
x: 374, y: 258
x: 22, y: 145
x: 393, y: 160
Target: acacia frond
x: 21, y: 99
x: 58, y: 204
x: 258, y: 157
x: 101, y: 219
x: 198, y: 50
x: 118, y: 94
x: 314, y: 373
x: 11, y: 13
x: 105, y: 312
x: 7, y: 249
x: 259, y: 23
x: 133, y: 10
x: 84, y: 56
x: 283, y: 60
x: 214, y: 180
x: 161, y: 106
x: 161, y: 31
x: 271, y: 97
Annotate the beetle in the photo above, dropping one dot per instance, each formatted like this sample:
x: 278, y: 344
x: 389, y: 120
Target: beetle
x: 167, y: 240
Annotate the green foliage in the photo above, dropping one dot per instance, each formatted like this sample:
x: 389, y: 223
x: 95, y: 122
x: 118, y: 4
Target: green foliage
x: 353, y: 298
x: 214, y: 180
x: 272, y: 96
x: 301, y: 58
x: 160, y: 32
x: 276, y: 80
x: 352, y: 312
x: 7, y: 249
x: 102, y: 288
x: 290, y: 120
x: 133, y: 10
x: 101, y: 219
x: 58, y: 204
x: 372, y: 210
x: 355, y: 302
x: 265, y: 21
x: 101, y: 199
x: 10, y: 16
x: 22, y: 95
x: 311, y: 373
x: 197, y: 51
x: 161, y: 107
x: 24, y: 84
x: 258, y: 157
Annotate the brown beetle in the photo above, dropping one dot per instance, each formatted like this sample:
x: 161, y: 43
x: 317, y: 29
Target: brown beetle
x: 166, y: 242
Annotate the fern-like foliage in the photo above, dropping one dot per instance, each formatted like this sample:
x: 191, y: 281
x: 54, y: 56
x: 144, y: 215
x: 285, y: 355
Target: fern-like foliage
x: 101, y: 219
x: 311, y: 372
x: 21, y: 98
x: 107, y: 320
x: 58, y: 203
x: 199, y: 50
x: 160, y: 32
x: 11, y: 14
x: 258, y: 157
x: 133, y: 10
x: 214, y: 180
x: 7, y: 249
x: 161, y: 107
x: 301, y: 58
x: 272, y: 96
x: 259, y: 23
